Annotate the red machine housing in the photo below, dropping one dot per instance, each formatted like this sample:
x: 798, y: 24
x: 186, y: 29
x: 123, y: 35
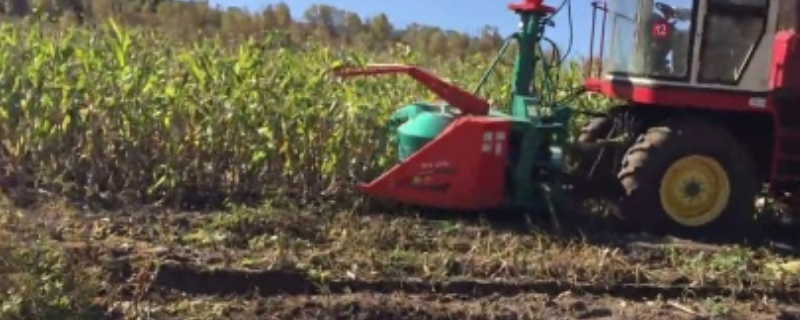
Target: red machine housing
x: 463, y: 169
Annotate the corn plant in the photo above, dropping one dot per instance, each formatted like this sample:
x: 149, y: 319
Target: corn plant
x: 134, y: 115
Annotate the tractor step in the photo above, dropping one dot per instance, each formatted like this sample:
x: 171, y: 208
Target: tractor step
x: 791, y: 133
x: 786, y: 179
x: 789, y: 156
x: 788, y: 168
x: 790, y: 143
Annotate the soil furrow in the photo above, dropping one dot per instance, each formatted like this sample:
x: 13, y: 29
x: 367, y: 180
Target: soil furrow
x: 199, y: 280
x: 370, y: 306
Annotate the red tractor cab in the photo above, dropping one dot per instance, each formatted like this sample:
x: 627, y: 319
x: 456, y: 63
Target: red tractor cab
x: 709, y: 110
x: 707, y: 119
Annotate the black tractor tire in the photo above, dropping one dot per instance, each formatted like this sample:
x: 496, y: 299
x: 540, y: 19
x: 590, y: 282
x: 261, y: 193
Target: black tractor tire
x: 646, y: 164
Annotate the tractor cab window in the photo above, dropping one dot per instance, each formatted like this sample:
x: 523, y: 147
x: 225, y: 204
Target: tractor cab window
x: 732, y: 31
x: 650, y: 38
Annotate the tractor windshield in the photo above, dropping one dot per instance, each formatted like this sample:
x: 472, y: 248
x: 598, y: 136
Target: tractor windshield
x: 649, y: 38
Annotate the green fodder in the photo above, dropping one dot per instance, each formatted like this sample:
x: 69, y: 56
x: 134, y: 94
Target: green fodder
x: 128, y: 117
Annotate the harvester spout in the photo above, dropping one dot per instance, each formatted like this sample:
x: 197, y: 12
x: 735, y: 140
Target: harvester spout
x: 459, y: 98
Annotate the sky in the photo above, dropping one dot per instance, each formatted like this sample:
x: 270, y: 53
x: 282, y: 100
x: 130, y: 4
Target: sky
x: 466, y: 15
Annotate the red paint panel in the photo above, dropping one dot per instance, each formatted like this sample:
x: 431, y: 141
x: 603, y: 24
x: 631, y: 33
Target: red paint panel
x: 785, y: 68
x: 676, y: 96
x: 454, y: 171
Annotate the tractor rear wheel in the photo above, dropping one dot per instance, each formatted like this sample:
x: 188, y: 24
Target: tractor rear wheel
x: 689, y: 177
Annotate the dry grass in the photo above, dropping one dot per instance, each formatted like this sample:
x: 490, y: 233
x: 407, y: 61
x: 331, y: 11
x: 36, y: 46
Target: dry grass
x: 379, y: 247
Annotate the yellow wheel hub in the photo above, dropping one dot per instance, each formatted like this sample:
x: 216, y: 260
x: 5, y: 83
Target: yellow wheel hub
x: 695, y: 190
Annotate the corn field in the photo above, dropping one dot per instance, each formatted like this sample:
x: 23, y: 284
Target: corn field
x: 120, y: 115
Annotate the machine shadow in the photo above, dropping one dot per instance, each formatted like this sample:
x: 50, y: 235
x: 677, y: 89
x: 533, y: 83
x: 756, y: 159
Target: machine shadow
x: 595, y: 223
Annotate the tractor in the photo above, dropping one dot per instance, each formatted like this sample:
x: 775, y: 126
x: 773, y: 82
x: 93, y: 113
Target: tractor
x: 706, y: 120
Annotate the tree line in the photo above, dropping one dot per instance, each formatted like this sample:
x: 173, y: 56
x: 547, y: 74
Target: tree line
x: 325, y: 23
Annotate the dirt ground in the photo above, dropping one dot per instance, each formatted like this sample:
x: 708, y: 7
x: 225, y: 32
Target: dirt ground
x: 440, y: 306
x: 282, y: 264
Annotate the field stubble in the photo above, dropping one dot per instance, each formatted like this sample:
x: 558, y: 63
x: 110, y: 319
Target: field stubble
x: 281, y: 263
